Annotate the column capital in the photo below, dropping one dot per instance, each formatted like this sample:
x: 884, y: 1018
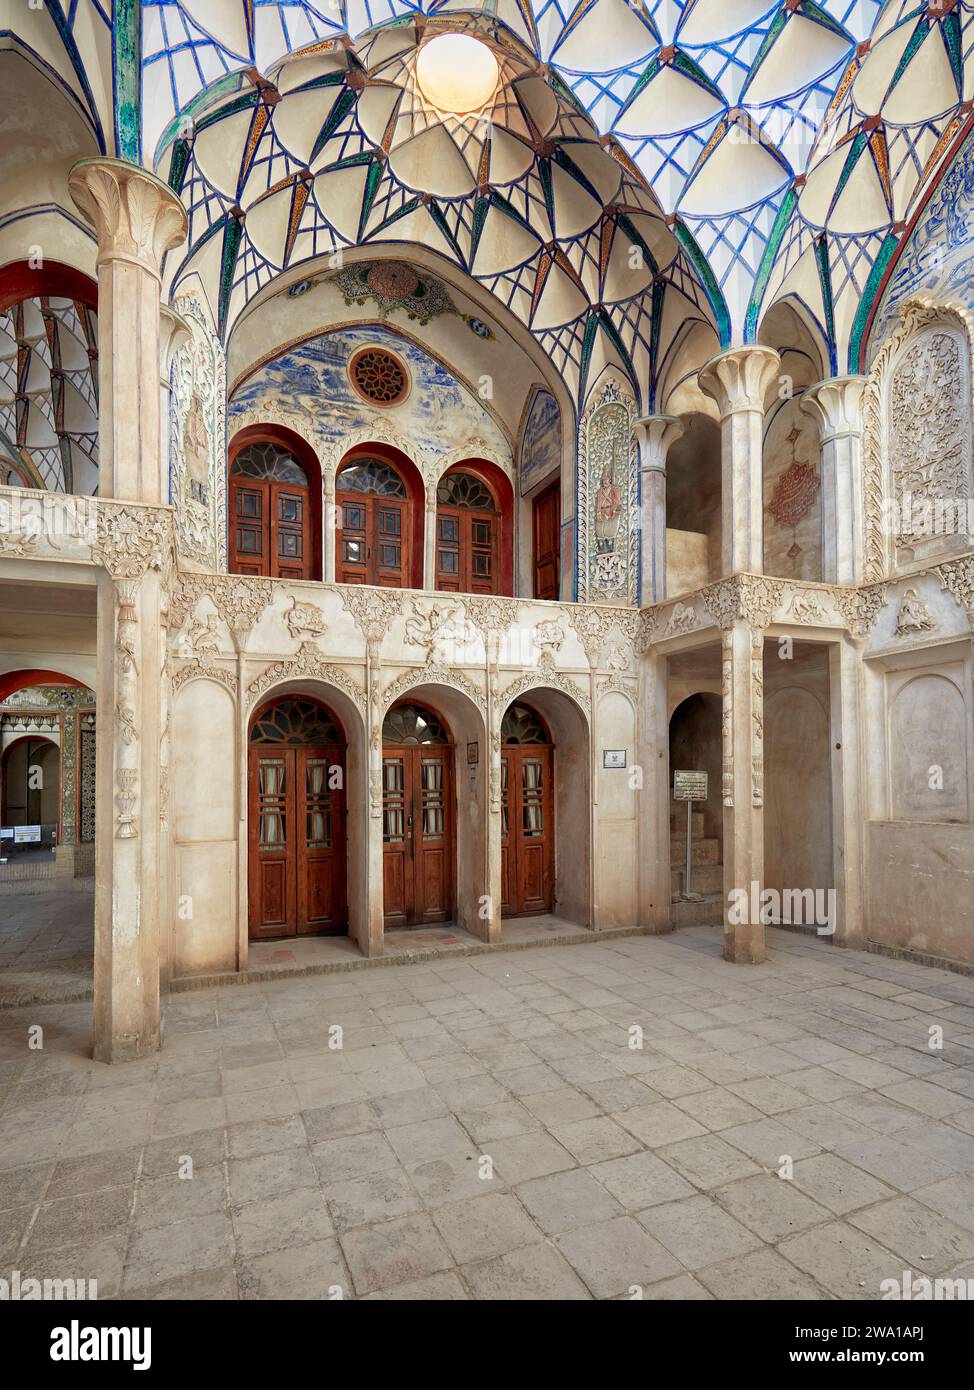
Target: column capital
x: 137, y: 217
x: 835, y: 405
x: 655, y: 434
x: 739, y: 379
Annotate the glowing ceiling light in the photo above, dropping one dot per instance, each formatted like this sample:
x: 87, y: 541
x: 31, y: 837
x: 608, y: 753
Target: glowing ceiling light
x: 456, y: 73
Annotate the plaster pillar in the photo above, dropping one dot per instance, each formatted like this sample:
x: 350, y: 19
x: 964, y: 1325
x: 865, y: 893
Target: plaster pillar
x: 849, y: 789
x: 836, y: 408
x: 491, y: 928
x: 654, y: 796
x: 742, y: 787
x: 429, y: 538
x: 739, y: 380
x: 66, y: 849
x: 329, y: 514
x: 654, y: 434
x: 138, y: 219
x: 174, y: 334
x: 129, y: 896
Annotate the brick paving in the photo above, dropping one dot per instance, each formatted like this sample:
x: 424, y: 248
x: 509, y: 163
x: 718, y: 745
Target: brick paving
x: 486, y: 1131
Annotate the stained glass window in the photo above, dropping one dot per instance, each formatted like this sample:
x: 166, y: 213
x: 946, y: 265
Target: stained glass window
x: 465, y: 490
x: 268, y: 463
x: 410, y: 724
x: 297, y: 721
x: 521, y: 725
x: 371, y: 475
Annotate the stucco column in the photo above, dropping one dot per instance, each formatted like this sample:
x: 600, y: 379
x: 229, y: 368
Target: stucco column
x: 739, y: 380
x: 138, y: 219
x: 836, y: 408
x: 429, y: 537
x: 654, y: 435
x: 67, y: 845
x: 329, y: 515
x: 742, y: 787
x: 174, y: 334
x: 654, y: 795
x: 128, y: 872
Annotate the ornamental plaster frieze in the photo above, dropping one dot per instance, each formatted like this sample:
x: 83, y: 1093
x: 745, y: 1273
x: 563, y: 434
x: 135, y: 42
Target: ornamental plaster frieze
x: 38, y: 525
x: 957, y: 577
x: 307, y: 664
x: 239, y: 599
x: 595, y: 624
x: 547, y: 678
x: 199, y: 670
x: 130, y: 540
x: 432, y: 674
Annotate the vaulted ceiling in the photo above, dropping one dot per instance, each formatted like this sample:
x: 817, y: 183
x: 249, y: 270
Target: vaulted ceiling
x: 753, y: 150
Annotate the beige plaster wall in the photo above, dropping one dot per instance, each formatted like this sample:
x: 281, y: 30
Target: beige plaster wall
x: 920, y: 888
x: 616, y: 825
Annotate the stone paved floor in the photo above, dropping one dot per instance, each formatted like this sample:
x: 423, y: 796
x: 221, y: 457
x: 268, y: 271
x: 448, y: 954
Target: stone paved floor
x: 366, y: 1168
x: 47, y: 942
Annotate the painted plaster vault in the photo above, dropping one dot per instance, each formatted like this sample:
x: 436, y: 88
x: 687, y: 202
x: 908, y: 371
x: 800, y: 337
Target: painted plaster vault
x: 709, y: 290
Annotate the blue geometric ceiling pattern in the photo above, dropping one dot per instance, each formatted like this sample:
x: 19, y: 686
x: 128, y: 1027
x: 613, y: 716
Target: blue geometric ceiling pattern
x: 787, y: 144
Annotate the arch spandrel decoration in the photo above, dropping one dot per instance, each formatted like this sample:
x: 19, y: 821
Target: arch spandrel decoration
x: 432, y: 674
x: 307, y: 664
x: 917, y: 434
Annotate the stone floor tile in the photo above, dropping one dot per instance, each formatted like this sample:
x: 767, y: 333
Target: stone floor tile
x: 162, y: 1201
x: 350, y: 1156
x: 426, y: 1139
x: 616, y: 1257
x: 837, y: 1184
x: 594, y: 1141
x: 531, y: 1155
x: 660, y: 1123
x: 709, y: 1161
x: 717, y: 1109
x: 256, y: 1137
x: 452, y: 1177
x: 278, y: 1223
x: 847, y: 1263
x: 446, y: 1287
x: 562, y: 1201
x: 184, y: 1248
x: 394, y: 1252
x: 771, y: 1206
x: 697, y: 1231
x: 377, y: 1197
x: 927, y: 1240
x: 762, y: 1275
x: 315, y: 1271
x: 483, y: 1227
x: 267, y: 1175
x: 86, y: 1217
x: 531, y: 1273
x: 953, y: 1197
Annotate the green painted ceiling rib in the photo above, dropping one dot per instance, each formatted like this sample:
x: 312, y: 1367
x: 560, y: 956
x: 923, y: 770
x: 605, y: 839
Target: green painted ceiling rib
x: 767, y: 263
x: 718, y: 305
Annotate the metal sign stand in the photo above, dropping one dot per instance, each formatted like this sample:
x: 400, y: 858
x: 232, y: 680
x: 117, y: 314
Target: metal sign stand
x: 686, y: 881
x: 689, y: 787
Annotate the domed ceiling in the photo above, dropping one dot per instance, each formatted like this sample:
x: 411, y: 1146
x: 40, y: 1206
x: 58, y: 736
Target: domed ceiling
x: 787, y: 145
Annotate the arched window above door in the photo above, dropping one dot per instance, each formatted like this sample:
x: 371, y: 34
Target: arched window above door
x: 409, y: 724
x: 468, y: 535
x: 521, y: 725
x: 275, y: 509
x: 373, y: 532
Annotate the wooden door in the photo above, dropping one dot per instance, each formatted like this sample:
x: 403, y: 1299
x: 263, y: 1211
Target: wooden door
x: 297, y: 841
x: 467, y: 536
x: 270, y: 532
x: 418, y: 831
x: 527, y: 816
x: 547, y: 543
x: 373, y: 525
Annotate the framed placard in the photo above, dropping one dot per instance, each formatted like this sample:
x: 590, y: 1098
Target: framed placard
x: 613, y: 757
x: 473, y: 753
x: 689, y: 786
x: 27, y: 834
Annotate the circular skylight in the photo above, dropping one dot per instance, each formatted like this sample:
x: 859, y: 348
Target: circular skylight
x: 456, y: 73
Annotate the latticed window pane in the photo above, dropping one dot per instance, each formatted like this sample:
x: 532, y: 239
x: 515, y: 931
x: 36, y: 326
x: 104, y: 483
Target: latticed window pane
x: 371, y: 475
x: 521, y: 725
x: 269, y: 462
x: 393, y: 801
x: 318, y: 814
x: 271, y: 799
x: 297, y: 721
x: 465, y: 490
x: 433, y: 806
x: 410, y: 724
x: 532, y: 799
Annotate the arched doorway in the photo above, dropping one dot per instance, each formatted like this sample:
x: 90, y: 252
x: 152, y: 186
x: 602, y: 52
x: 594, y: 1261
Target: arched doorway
x: 296, y: 800
x: 474, y: 551
x: 418, y: 817
x: 30, y: 781
x: 527, y: 813
x: 275, y: 506
x: 378, y: 505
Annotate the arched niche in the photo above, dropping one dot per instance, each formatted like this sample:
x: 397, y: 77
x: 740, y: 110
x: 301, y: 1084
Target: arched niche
x: 928, y: 751
x: 693, y: 506
x: 411, y: 503
x: 500, y: 544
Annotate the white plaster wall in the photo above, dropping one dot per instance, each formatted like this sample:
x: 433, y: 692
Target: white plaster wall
x: 616, y: 828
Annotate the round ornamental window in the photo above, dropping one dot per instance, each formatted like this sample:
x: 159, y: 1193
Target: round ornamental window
x: 379, y: 376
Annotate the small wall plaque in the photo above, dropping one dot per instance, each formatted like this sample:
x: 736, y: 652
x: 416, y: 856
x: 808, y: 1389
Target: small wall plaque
x: 689, y: 786
x: 473, y: 753
x: 613, y: 757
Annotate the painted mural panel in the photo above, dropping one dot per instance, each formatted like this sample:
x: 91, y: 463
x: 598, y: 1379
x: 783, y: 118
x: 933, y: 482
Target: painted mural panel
x: 607, y: 510
x: 541, y: 443
x: 793, y: 494
x: 197, y: 462
x: 939, y: 259
x: 438, y: 421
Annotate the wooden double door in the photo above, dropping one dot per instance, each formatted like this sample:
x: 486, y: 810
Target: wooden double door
x: 527, y: 815
x: 418, y: 819
x: 297, y: 876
